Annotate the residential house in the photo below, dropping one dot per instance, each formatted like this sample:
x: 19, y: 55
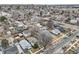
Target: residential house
x: 74, y: 21
x: 11, y: 50
x: 55, y: 31
x: 26, y: 33
x: 32, y: 40
x: 25, y: 44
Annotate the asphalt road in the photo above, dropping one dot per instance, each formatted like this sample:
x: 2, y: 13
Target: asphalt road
x: 65, y: 25
x: 63, y: 42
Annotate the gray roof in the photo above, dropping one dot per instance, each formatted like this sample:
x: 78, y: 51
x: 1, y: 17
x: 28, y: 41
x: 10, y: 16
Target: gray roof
x: 55, y: 31
x: 24, y: 44
x: 77, y: 50
x: 11, y: 50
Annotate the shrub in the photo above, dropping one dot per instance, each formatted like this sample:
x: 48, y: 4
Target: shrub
x: 2, y: 18
x: 35, y: 46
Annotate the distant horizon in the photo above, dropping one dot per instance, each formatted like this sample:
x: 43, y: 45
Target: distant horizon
x: 55, y: 5
x: 39, y: 4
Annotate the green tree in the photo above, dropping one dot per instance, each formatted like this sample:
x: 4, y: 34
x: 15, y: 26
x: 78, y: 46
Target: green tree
x: 18, y: 7
x: 35, y: 46
x: 4, y: 43
x: 3, y: 18
x: 41, y: 13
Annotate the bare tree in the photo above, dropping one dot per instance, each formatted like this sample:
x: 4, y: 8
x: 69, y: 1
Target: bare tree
x: 44, y: 38
x: 50, y: 24
x: 29, y: 15
x: 34, y: 30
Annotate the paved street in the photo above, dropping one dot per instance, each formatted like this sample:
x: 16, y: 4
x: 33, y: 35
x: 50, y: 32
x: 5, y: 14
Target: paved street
x: 65, y: 25
x: 63, y: 42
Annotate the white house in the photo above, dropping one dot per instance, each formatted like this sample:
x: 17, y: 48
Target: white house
x: 73, y: 21
x: 56, y: 31
x: 39, y: 25
x: 35, y: 19
x: 26, y: 33
x: 5, y: 14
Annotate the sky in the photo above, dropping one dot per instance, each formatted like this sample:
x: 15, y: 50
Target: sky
x: 39, y: 1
